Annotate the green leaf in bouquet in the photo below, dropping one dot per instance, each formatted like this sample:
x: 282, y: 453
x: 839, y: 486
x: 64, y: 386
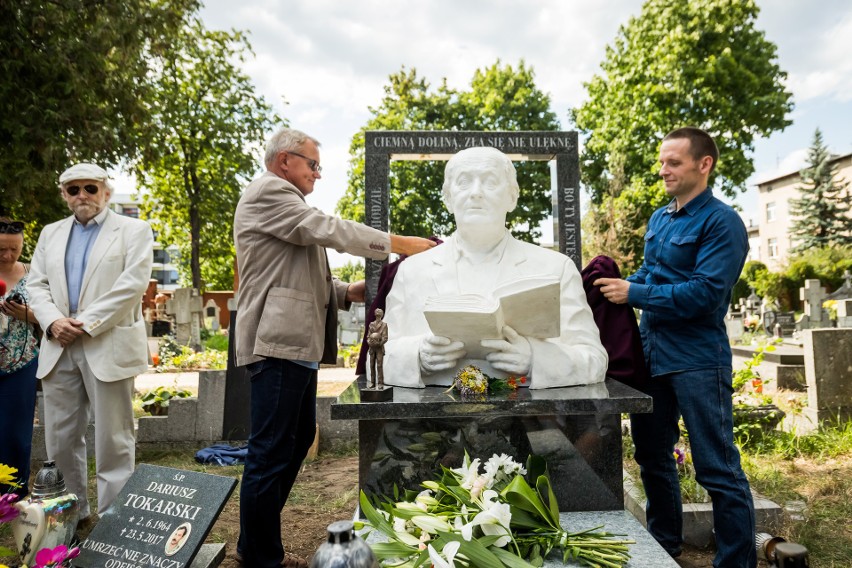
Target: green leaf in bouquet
x: 545, y: 493
x: 511, y: 560
x: 376, y: 519
x: 536, y: 466
x: 475, y: 551
x: 519, y: 494
x: 391, y: 549
x: 524, y: 520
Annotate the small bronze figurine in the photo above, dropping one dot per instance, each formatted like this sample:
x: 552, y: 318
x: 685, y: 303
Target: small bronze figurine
x: 377, y: 336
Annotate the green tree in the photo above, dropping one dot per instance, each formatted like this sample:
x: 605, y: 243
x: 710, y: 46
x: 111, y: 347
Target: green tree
x: 500, y: 97
x: 74, y: 78
x: 349, y: 272
x: 821, y: 215
x: 207, y: 119
x: 701, y: 63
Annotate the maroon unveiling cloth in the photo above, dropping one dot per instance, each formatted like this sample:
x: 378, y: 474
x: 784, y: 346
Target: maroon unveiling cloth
x: 617, y: 325
x: 616, y: 322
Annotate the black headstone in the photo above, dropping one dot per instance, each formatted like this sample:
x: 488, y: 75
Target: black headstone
x: 160, y: 518
x: 160, y: 328
x: 236, y: 422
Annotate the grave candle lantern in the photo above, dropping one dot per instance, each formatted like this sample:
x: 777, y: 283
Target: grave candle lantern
x: 49, y: 517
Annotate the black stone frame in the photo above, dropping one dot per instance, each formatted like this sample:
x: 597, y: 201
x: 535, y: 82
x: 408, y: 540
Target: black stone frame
x: 382, y: 146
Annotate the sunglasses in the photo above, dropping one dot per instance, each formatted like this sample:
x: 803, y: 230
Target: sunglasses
x: 73, y: 190
x: 313, y: 164
x: 11, y: 228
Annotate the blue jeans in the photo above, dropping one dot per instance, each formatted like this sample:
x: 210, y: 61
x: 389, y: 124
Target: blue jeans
x: 283, y: 427
x: 703, y: 398
x: 17, y: 401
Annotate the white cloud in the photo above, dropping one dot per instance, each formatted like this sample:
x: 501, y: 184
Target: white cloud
x: 791, y: 163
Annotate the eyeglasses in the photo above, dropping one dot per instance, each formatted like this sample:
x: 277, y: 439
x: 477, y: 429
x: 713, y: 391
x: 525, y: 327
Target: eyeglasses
x: 11, y: 228
x: 73, y: 190
x: 313, y: 164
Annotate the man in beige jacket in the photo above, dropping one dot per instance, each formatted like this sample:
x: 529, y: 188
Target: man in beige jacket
x: 88, y: 275
x: 286, y: 325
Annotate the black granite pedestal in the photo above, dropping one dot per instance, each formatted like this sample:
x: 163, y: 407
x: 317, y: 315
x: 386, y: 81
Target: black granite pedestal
x: 576, y: 429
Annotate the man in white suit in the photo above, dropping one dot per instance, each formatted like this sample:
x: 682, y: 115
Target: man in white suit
x: 480, y: 189
x: 88, y: 275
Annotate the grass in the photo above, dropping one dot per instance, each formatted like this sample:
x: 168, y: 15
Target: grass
x: 815, y: 469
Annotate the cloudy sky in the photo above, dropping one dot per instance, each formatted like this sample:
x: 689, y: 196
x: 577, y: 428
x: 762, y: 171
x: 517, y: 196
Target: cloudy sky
x: 322, y: 63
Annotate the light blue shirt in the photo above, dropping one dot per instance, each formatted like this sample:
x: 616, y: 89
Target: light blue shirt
x: 80, y: 242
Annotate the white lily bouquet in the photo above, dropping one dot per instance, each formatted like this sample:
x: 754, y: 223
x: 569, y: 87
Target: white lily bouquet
x: 490, y: 519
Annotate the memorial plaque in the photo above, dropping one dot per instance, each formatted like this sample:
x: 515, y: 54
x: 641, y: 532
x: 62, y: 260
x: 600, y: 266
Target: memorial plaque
x: 160, y: 518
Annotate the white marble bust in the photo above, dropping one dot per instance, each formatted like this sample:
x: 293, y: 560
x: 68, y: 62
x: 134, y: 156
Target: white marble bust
x: 480, y: 189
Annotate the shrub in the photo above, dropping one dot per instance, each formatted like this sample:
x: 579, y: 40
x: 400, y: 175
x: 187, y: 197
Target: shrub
x: 217, y: 342
x: 156, y: 401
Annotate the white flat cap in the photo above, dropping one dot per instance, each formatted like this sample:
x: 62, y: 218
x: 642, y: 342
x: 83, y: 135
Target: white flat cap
x: 83, y: 170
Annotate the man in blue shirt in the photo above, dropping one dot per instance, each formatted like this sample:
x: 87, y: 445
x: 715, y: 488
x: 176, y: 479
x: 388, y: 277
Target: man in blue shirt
x: 695, y: 248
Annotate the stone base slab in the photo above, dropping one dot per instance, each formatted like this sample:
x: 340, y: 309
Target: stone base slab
x: 698, y: 517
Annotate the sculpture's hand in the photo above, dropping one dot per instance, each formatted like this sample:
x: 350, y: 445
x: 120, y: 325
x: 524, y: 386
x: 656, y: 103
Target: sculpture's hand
x: 512, y: 354
x: 438, y: 353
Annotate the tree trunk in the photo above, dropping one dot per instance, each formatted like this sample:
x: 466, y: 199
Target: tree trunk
x: 195, y: 231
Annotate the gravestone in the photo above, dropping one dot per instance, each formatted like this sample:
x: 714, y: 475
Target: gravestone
x: 160, y: 518
x: 351, y: 324
x: 236, y: 421
x: 752, y: 303
x: 734, y: 325
x: 160, y: 328
x: 211, y: 315
x: 828, y: 370
x: 845, y: 290
x: 785, y: 322
x: 186, y: 309
x: 382, y: 147
x: 577, y: 430
x: 149, y: 314
x: 813, y: 296
x: 844, y: 313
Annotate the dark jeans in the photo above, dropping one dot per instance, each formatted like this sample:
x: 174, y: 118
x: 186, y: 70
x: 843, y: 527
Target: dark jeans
x: 703, y: 398
x: 283, y: 427
x: 17, y: 401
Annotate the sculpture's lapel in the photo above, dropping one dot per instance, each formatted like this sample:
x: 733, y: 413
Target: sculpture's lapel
x: 445, y: 275
x: 512, y: 267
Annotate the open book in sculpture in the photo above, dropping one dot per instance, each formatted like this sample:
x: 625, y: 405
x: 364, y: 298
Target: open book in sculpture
x: 530, y: 306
